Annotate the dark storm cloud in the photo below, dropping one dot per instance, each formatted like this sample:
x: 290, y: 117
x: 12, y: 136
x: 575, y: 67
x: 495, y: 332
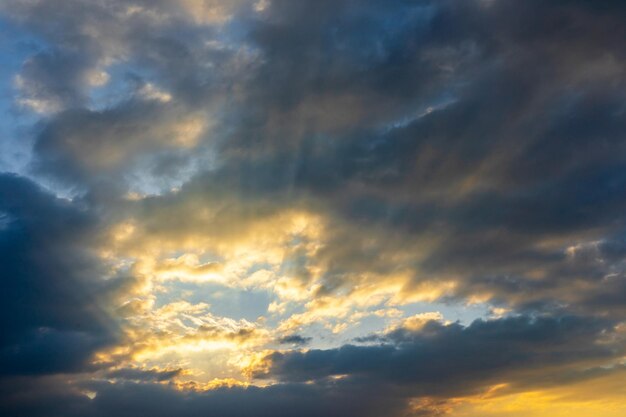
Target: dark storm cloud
x: 454, y: 360
x: 131, y: 399
x: 434, y: 362
x: 50, y: 316
x: 280, y: 400
x: 519, y: 108
x: 496, y: 126
x: 528, y: 148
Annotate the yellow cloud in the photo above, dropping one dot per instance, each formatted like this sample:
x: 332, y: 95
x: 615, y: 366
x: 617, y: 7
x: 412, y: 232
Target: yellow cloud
x: 600, y: 397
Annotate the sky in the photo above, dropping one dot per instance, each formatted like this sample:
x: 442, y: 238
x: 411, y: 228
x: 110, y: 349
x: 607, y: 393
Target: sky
x: 338, y: 208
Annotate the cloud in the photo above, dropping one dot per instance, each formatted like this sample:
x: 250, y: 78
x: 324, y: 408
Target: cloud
x: 135, y: 374
x: 127, y: 399
x: 51, y: 315
x: 85, y: 145
x: 354, y: 163
x: 294, y: 339
x: 452, y: 360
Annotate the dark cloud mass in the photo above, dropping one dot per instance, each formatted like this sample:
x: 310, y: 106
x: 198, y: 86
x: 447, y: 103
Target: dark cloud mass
x: 454, y: 358
x: 51, y: 320
x: 336, y: 164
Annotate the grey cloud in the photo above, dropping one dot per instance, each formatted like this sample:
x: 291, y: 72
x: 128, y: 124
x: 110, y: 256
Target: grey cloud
x: 51, y: 318
x: 496, y: 127
x: 82, y: 146
x: 451, y: 360
x: 130, y: 399
x: 509, y: 160
x: 54, y: 80
x: 294, y: 339
x: 146, y: 375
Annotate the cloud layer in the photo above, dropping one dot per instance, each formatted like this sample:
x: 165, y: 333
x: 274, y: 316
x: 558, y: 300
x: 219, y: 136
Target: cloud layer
x: 282, y: 207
